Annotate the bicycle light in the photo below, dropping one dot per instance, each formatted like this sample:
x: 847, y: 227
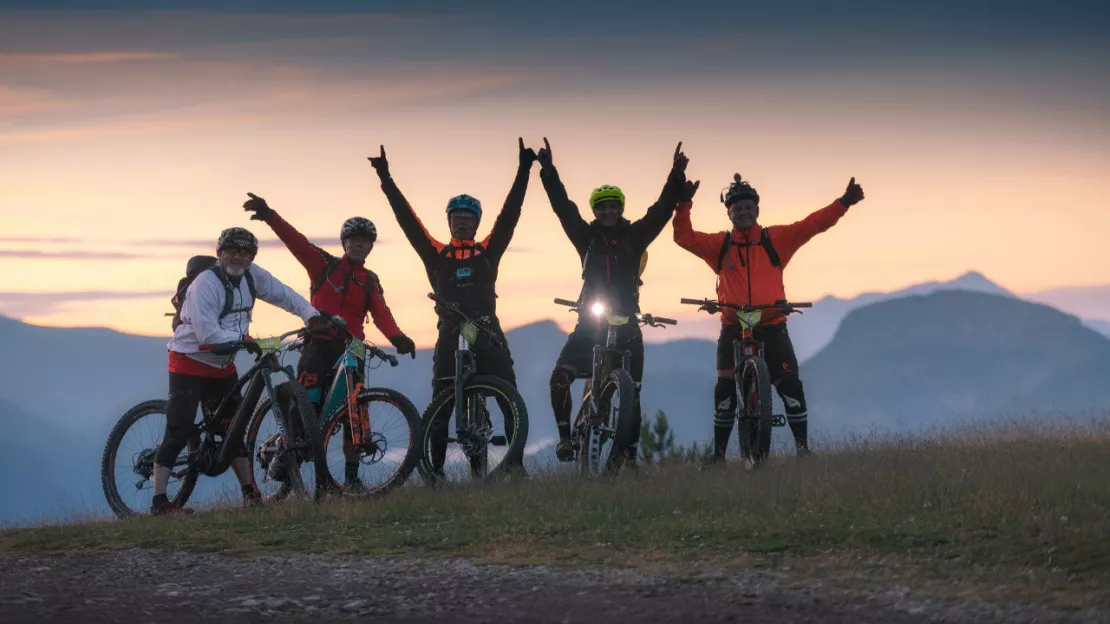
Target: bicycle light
x: 597, y: 308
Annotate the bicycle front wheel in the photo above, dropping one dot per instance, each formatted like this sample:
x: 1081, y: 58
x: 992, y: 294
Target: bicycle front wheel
x: 293, y: 464
x: 753, y: 392
x: 492, y: 442
x: 389, y: 451
x: 609, y: 438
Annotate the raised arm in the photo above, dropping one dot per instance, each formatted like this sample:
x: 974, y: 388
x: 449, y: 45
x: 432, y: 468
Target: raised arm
x: 311, y: 257
x: 648, y: 227
x: 576, y: 228
x: 505, y: 224
x: 789, y: 238
x: 426, y: 247
x: 701, y: 244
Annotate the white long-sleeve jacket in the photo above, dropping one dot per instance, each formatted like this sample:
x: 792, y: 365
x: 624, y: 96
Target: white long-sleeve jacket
x: 204, y: 301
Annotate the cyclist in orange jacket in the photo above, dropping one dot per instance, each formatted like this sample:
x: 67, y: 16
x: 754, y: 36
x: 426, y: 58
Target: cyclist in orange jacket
x: 749, y: 262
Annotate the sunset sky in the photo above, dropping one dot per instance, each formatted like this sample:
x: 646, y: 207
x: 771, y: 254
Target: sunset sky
x: 129, y: 139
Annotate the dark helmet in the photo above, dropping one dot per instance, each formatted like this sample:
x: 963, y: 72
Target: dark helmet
x: 358, y: 226
x: 237, y: 238
x: 466, y: 203
x: 739, y: 190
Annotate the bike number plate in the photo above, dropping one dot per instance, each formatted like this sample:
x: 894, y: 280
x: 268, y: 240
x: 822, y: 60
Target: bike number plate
x: 617, y: 320
x: 470, y: 332
x: 268, y: 345
x: 750, y: 319
x: 358, y: 349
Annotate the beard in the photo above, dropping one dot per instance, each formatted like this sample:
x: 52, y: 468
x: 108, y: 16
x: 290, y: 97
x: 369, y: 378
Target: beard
x: 235, y: 270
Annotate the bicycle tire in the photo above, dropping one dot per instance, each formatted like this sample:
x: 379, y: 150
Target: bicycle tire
x: 412, y: 419
x: 111, y: 448
x: 309, y: 422
x: 619, y: 384
x: 437, y: 410
x: 753, y: 409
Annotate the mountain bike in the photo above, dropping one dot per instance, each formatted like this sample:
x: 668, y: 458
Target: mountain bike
x: 361, y: 420
x: 480, y: 453
x: 606, y: 425
x: 755, y: 422
x: 210, y: 448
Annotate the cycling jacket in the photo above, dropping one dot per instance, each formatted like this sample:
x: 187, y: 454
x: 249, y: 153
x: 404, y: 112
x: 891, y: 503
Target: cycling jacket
x: 204, y: 301
x: 747, y: 275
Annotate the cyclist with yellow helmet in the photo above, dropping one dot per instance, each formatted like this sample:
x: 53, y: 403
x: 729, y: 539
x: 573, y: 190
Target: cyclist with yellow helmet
x: 613, y: 252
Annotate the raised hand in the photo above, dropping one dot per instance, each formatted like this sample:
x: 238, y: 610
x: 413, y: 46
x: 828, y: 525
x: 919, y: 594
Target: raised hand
x: 544, y: 155
x: 853, y: 194
x: 380, y: 164
x: 527, y: 155
x: 258, y: 206
x: 680, y: 159
x: 689, y: 190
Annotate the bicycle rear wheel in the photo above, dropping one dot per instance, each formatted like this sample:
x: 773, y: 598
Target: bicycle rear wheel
x: 127, y: 465
x: 753, y: 409
x: 496, y: 443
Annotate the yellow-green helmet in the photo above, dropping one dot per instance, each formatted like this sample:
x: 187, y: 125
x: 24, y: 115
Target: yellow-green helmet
x: 606, y: 192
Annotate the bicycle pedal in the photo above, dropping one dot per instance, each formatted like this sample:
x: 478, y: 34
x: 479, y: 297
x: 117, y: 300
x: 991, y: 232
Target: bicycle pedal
x: 499, y: 441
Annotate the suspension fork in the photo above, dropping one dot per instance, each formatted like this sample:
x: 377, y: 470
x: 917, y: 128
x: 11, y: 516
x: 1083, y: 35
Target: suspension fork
x: 462, y: 375
x: 357, y: 418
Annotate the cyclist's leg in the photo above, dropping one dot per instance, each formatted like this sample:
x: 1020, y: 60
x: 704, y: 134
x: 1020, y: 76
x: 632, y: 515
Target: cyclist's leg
x: 181, y: 414
x: 783, y: 365
x: 724, y: 394
x: 576, y: 357
x: 443, y: 372
x: 315, y: 372
x: 212, y: 394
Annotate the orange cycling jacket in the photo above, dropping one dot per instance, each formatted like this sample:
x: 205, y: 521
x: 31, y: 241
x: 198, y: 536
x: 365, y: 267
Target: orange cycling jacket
x: 746, y: 275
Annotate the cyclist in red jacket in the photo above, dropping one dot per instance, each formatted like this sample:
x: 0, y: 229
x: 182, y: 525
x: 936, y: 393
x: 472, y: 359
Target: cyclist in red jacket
x: 341, y: 287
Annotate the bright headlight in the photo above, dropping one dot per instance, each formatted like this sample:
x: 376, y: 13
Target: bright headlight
x: 597, y: 308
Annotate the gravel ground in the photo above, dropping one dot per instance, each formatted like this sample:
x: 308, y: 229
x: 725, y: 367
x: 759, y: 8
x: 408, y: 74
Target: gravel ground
x: 150, y: 586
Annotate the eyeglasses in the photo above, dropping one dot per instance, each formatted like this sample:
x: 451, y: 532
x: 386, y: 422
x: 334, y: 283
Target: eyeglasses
x: 239, y: 254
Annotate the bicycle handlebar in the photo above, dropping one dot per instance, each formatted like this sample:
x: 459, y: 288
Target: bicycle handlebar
x: 341, y: 325
x: 646, y: 319
x: 785, y: 306
x: 227, y: 348
x: 566, y: 302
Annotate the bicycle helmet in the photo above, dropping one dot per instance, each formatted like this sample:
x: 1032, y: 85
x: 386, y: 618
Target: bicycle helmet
x: 358, y: 226
x: 464, y: 202
x: 606, y: 192
x: 237, y: 238
x: 739, y: 190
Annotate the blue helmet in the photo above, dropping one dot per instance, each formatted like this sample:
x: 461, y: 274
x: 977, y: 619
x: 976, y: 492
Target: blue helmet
x: 464, y: 202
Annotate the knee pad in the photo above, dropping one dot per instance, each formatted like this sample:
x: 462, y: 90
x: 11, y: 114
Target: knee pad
x: 724, y: 401
x: 792, y: 395
x: 561, y: 379
x: 173, y: 440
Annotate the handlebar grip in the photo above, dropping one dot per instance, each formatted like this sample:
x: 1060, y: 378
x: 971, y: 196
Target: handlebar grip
x: 802, y: 305
x: 691, y: 301
x: 220, y: 348
x: 665, y: 321
x: 566, y: 302
x: 435, y: 297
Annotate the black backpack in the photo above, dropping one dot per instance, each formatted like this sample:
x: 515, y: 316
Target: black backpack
x: 764, y: 241
x: 196, y: 266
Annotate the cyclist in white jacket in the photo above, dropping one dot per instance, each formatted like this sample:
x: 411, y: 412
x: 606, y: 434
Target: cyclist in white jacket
x: 217, y: 308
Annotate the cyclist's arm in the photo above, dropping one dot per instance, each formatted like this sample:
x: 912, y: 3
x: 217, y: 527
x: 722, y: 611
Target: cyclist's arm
x: 651, y: 224
x: 310, y: 256
x: 273, y: 291
x: 574, y: 225
x: 703, y: 245
x: 787, y: 239
x: 203, y: 303
x: 380, y: 312
x: 505, y: 225
x: 426, y: 247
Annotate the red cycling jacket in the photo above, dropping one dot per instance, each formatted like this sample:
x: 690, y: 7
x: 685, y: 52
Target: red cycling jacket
x: 349, y: 290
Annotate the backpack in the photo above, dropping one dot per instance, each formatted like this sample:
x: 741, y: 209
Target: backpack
x: 332, y: 263
x: 196, y: 266
x: 764, y: 240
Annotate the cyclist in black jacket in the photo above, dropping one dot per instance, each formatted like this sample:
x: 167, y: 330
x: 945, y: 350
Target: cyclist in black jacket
x: 611, y: 249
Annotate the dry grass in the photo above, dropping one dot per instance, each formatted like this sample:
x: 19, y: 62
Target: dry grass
x: 1021, y: 509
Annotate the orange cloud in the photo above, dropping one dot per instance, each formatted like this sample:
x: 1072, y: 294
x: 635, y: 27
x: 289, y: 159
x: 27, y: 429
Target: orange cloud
x: 89, y: 57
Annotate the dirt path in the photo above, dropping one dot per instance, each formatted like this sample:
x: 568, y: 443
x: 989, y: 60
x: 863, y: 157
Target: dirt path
x: 147, y: 586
